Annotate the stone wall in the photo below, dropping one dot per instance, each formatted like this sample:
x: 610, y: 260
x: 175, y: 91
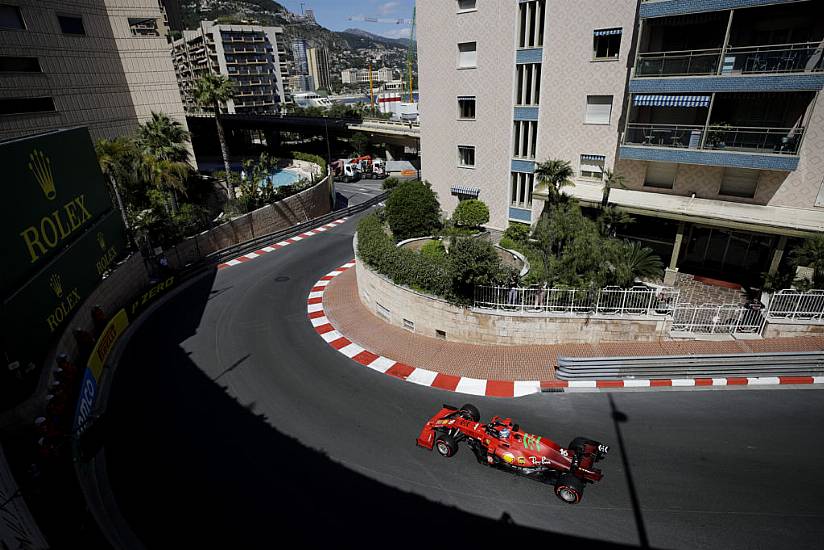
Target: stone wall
x: 428, y: 315
x: 304, y: 206
x: 787, y: 329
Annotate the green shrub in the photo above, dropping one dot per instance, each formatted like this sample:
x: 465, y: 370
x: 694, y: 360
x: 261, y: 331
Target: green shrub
x: 518, y: 232
x: 433, y: 250
x: 390, y: 183
x: 471, y: 213
x: 473, y: 262
x: 412, y: 210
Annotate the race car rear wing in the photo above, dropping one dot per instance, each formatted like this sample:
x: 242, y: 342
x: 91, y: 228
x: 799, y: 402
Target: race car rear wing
x: 427, y: 437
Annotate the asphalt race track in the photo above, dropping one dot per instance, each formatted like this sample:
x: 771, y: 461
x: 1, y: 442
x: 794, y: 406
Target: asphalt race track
x: 232, y: 424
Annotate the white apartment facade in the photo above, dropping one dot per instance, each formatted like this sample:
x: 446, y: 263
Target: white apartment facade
x: 103, y: 64
x: 318, y: 61
x: 710, y: 110
x: 248, y: 54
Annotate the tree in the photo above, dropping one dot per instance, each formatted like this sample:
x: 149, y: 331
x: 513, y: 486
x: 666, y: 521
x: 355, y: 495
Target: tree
x: 611, y: 181
x: 631, y: 260
x: 471, y: 213
x: 473, y: 262
x: 111, y: 155
x: 811, y: 254
x: 555, y: 174
x: 164, y: 138
x: 412, y: 210
x: 611, y: 218
x: 210, y: 91
x: 359, y: 142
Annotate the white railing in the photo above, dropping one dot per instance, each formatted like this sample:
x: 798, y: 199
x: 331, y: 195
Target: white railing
x: 612, y: 301
x: 796, y: 305
x: 717, y: 319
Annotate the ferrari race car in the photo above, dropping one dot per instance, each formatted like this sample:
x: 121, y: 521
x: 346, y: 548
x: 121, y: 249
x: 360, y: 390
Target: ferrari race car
x: 502, y: 444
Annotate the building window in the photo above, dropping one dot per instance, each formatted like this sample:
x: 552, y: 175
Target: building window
x: 11, y: 18
x: 525, y: 136
x: 592, y: 166
x: 528, y: 90
x: 599, y: 109
x: 71, y: 24
x: 606, y: 43
x: 739, y: 182
x: 466, y: 155
x: 660, y: 175
x: 23, y: 105
x: 466, y: 107
x: 9, y: 64
x: 467, y: 54
x: 521, y: 189
x: 531, y: 24
x: 466, y: 5
x: 143, y: 26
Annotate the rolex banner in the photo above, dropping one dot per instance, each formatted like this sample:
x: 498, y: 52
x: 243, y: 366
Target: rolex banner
x: 38, y: 311
x: 54, y: 192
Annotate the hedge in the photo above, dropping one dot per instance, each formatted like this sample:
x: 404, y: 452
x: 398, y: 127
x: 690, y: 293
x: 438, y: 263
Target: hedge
x: 471, y: 213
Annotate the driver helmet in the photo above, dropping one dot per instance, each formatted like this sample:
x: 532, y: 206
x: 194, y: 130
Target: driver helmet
x: 504, y: 432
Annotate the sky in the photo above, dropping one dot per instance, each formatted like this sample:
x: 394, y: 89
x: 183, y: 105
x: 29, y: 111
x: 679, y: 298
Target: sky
x: 333, y: 14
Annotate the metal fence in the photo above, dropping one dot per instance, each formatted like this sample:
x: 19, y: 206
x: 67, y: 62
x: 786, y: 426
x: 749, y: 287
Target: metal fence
x: 612, y: 301
x: 717, y: 319
x: 796, y: 305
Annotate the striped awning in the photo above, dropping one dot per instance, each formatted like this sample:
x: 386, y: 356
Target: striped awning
x: 643, y: 100
x: 607, y: 32
x: 468, y: 191
x: 593, y: 157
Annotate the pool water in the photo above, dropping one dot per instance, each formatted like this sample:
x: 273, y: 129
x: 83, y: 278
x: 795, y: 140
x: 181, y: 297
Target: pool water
x: 283, y: 177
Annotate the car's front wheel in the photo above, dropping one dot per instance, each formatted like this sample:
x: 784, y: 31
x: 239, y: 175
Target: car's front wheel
x: 471, y: 411
x: 569, y: 488
x: 446, y: 445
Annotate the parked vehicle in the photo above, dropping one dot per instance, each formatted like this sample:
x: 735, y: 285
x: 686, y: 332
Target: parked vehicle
x: 346, y: 171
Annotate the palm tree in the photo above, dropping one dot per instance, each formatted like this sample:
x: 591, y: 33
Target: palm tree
x: 611, y: 218
x: 164, y: 138
x: 811, y: 254
x: 632, y: 260
x: 210, y: 91
x: 111, y: 153
x: 166, y: 175
x: 611, y: 181
x: 556, y: 174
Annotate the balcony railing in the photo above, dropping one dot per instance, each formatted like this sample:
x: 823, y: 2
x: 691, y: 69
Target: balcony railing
x: 778, y: 58
x: 785, y: 141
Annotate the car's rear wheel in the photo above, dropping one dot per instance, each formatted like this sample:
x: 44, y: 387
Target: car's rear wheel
x: 472, y: 412
x: 446, y: 445
x: 569, y: 488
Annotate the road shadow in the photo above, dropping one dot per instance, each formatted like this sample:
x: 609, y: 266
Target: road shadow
x: 192, y: 467
x: 341, y: 201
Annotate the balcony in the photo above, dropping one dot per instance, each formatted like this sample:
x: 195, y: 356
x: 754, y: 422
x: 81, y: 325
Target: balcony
x: 748, y: 130
x: 803, y: 57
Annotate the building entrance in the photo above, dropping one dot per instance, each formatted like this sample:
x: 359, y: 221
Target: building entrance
x: 735, y: 256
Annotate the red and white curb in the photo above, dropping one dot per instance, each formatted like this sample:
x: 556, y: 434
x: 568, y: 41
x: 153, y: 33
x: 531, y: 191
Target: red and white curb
x: 423, y: 377
x: 682, y: 382
x: 275, y: 246
x: 503, y: 388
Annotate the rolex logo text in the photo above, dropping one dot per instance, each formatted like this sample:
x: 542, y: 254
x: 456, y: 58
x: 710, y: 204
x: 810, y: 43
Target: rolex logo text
x: 55, y: 228
x: 66, y: 305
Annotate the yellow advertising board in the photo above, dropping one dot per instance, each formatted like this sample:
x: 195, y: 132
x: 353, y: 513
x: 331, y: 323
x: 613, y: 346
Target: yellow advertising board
x: 114, y: 330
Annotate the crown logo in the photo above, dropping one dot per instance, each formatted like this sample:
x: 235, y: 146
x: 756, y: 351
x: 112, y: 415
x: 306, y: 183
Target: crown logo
x: 40, y: 166
x: 101, y: 240
x: 56, y: 285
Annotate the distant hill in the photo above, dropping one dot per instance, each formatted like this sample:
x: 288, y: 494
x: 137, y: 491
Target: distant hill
x: 354, y: 34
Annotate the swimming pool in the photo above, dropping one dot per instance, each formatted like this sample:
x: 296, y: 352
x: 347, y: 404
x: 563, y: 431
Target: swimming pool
x: 285, y: 176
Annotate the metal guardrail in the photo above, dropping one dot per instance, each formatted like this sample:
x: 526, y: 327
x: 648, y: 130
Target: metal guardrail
x: 692, y: 366
x: 258, y: 242
x: 612, y: 301
x: 717, y: 319
x: 794, y: 305
x: 739, y: 138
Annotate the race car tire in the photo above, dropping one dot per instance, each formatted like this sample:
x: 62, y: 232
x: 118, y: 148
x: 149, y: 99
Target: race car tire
x: 446, y: 445
x: 569, y: 488
x: 472, y: 411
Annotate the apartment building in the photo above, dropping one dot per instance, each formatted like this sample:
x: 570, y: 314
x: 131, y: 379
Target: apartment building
x: 300, y: 55
x: 318, y: 61
x: 104, y: 64
x: 301, y: 83
x: 710, y: 110
x: 247, y: 54
x: 385, y: 74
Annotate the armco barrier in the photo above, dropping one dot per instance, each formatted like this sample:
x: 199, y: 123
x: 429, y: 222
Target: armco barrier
x: 691, y: 366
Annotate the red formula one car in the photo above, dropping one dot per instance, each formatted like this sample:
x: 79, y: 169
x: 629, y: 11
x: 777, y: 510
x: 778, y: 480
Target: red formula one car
x: 502, y: 444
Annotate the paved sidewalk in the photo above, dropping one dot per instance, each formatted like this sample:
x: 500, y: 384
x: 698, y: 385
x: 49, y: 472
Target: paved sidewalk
x: 349, y: 316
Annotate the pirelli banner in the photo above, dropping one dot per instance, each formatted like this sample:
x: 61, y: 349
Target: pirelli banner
x: 60, y: 233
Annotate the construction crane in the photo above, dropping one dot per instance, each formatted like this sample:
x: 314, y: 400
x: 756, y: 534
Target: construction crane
x: 410, y: 52
x: 380, y: 20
